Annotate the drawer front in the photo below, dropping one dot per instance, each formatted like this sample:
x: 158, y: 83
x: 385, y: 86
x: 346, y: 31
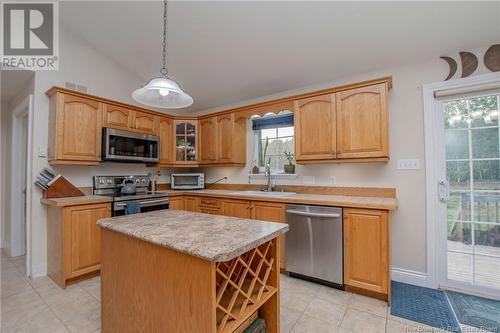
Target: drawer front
x: 209, y: 203
x: 213, y: 211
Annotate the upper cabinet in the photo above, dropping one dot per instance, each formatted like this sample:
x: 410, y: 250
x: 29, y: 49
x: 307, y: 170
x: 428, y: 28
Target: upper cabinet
x: 74, y: 130
x: 362, y: 121
x: 186, y: 142
x: 223, y: 140
x: 144, y: 122
x: 347, y: 126
x: 119, y: 117
x: 315, y: 128
x: 166, y: 135
x: 231, y: 139
x: 208, y: 140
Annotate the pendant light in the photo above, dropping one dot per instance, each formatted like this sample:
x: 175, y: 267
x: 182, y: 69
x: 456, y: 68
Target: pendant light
x: 163, y: 92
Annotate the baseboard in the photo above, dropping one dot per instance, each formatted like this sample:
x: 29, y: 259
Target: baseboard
x: 411, y: 277
x: 39, y: 270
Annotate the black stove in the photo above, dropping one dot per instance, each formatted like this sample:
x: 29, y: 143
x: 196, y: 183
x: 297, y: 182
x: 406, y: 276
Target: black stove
x: 112, y: 186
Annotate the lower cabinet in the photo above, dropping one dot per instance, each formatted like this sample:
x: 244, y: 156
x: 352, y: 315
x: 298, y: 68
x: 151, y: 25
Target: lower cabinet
x: 191, y: 204
x: 366, y: 250
x: 176, y: 202
x: 272, y: 212
x: 73, y: 241
x: 236, y: 208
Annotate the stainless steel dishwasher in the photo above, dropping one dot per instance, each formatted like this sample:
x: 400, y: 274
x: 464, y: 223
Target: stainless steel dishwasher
x: 314, y: 244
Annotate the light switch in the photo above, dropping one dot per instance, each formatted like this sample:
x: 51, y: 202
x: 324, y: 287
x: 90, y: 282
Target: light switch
x: 408, y: 164
x: 42, y: 152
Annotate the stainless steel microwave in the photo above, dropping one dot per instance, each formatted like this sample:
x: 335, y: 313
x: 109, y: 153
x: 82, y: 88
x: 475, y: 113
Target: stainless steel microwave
x: 125, y: 146
x: 187, y: 181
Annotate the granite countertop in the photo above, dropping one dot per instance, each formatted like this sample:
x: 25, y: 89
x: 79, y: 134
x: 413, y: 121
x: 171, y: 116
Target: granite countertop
x: 209, y: 237
x: 75, y: 201
x: 299, y: 198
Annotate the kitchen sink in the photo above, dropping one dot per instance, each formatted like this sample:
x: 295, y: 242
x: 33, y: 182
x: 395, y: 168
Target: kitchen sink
x: 263, y: 193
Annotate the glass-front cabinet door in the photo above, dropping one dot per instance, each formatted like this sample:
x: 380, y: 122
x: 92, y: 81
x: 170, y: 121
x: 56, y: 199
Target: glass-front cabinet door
x: 186, y: 141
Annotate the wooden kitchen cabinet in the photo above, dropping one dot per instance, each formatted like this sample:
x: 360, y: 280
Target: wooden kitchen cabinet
x: 73, y: 241
x: 208, y: 140
x: 272, y: 212
x: 191, y: 204
x: 119, y: 117
x: 231, y: 142
x: 74, y: 129
x: 176, y: 202
x: 222, y: 140
x: 315, y: 128
x: 362, y: 122
x: 115, y: 116
x: 366, y: 250
x: 236, y: 208
x: 186, y: 142
x: 165, y: 135
x: 144, y: 122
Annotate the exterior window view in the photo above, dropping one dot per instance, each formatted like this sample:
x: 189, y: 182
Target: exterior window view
x: 171, y: 166
x: 473, y: 172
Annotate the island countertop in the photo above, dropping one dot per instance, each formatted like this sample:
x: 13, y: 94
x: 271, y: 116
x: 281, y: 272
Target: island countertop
x: 209, y: 237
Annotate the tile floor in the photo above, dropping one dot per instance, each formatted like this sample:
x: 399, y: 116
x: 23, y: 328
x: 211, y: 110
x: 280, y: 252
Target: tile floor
x: 39, y: 306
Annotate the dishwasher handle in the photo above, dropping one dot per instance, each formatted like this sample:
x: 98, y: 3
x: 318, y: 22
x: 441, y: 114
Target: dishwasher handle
x: 310, y: 214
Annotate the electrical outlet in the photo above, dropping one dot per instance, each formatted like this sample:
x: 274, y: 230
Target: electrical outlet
x: 332, y: 180
x: 408, y: 164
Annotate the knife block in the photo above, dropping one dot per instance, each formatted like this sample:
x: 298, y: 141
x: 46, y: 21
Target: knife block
x: 60, y: 187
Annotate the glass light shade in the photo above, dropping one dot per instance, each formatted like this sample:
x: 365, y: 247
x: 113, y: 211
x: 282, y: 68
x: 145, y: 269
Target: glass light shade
x: 162, y: 93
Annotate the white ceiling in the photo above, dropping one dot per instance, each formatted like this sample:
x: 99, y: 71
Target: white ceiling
x: 226, y: 52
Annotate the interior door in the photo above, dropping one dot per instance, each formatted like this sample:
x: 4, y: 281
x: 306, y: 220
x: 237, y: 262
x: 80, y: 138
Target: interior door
x: 469, y: 192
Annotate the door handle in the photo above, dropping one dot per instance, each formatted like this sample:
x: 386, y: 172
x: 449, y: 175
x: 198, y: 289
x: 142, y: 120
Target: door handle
x: 443, y: 191
x: 309, y: 214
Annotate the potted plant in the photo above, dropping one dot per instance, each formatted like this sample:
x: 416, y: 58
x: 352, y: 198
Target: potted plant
x: 290, y: 167
x: 262, y: 157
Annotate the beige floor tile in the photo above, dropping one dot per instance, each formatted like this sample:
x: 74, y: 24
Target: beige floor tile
x: 306, y: 287
x: 12, y: 286
x: 334, y: 295
x: 40, y: 282
x: 308, y: 324
x: 88, y: 319
x: 343, y: 330
x: 41, y: 320
x: 92, y: 286
x: 288, y: 318
x: 286, y: 281
x: 363, y: 322
x: 326, y: 311
x: 369, y: 304
x: 295, y: 299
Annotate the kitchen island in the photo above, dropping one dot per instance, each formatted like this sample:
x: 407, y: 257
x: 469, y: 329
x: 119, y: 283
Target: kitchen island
x: 179, y: 271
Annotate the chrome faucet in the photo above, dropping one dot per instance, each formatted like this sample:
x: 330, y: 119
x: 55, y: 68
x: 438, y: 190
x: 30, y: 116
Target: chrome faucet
x: 267, y: 173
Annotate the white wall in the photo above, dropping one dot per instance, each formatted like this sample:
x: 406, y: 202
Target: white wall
x: 81, y: 64
x: 6, y: 156
x: 408, y: 228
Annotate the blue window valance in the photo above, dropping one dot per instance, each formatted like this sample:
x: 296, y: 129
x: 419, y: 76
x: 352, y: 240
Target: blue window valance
x: 285, y: 120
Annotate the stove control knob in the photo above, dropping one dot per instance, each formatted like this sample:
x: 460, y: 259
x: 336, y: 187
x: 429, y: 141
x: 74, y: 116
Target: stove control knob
x: 109, y: 181
x: 144, y: 180
x: 101, y: 181
x: 137, y: 180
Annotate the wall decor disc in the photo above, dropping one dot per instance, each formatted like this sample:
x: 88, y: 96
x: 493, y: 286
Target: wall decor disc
x: 469, y: 63
x: 492, y: 58
x: 453, y: 67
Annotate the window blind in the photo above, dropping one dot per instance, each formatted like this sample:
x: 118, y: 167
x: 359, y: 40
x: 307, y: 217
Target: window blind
x: 285, y: 120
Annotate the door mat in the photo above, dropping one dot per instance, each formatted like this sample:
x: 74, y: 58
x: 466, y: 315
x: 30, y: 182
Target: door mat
x: 423, y: 305
x: 476, y: 311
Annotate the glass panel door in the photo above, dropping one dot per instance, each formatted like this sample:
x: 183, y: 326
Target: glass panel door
x: 473, y: 208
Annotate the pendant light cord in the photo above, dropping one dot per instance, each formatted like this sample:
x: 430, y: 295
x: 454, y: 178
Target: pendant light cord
x: 164, y: 70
